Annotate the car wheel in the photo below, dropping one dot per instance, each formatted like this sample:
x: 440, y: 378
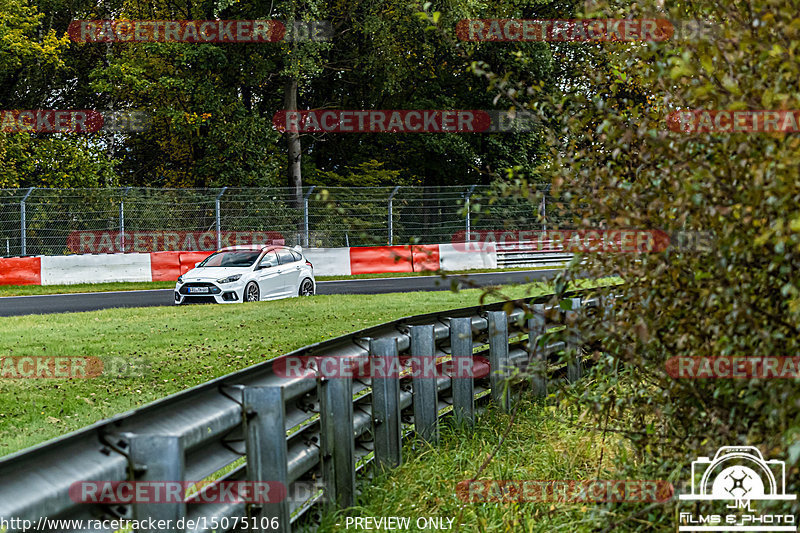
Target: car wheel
x: 251, y: 292
x: 307, y: 288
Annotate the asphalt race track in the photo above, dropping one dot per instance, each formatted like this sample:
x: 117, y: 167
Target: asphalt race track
x: 68, y: 303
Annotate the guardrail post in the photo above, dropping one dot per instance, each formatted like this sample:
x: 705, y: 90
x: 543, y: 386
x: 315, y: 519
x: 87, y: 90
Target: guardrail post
x: 337, y: 446
x: 537, y: 326
x: 574, y: 363
x: 264, y: 411
x: 387, y: 426
x: 463, y: 380
x: 22, y: 223
x: 161, y: 458
x: 217, y: 217
x: 424, y: 382
x: 498, y: 359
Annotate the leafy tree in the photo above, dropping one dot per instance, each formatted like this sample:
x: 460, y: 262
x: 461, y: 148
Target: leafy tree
x: 22, y: 54
x: 53, y: 162
x: 615, y: 161
x: 31, y: 56
x: 390, y: 62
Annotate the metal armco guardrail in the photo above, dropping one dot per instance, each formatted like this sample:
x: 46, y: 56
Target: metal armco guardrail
x: 528, y: 254
x: 311, y: 435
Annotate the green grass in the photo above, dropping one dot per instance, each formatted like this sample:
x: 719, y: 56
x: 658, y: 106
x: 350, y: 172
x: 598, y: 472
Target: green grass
x: 428, y: 273
x: 32, y: 290
x: 176, y: 348
x: 545, y: 443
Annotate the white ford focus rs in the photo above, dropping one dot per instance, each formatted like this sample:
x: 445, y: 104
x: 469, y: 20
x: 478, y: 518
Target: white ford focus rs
x: 247, y: 274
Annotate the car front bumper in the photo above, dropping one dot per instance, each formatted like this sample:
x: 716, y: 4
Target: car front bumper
x: 228, y: 293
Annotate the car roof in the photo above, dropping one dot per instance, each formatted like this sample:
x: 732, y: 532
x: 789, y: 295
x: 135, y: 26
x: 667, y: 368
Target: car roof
x: 253, y: 248
x: 247, y: 248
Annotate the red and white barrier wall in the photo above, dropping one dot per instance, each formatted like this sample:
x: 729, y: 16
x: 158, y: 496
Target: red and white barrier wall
x: 70, y: 269
x: 167, y: 266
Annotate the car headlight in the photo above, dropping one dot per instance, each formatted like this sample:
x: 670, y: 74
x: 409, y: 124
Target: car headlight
x: 229, y: 279
x: 180, y: 278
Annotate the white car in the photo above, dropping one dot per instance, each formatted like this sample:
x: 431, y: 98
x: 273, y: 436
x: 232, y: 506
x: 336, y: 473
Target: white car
x: 247, y: 274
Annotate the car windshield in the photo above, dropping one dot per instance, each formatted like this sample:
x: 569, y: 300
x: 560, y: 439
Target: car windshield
x: 231, y: 259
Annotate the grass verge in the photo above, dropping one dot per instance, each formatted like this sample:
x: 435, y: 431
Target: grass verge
x: 174, y: 348
x: 429, y: 273
x: 545, y: 443
x: 34, y: 290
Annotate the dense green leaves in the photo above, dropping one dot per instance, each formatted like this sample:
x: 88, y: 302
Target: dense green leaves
x: 212, y: 104
x: 616, y: 163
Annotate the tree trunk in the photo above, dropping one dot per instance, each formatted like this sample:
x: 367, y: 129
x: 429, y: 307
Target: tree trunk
x: 293, y: 140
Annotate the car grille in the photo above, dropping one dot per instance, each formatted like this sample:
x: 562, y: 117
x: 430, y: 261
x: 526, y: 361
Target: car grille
x: 213, y: 289
x: 199, y: 300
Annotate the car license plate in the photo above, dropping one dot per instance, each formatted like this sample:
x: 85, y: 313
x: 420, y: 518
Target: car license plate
x: 198, y: 289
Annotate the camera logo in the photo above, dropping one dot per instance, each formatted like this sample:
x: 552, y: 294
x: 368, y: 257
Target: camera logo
x: 737, y: 474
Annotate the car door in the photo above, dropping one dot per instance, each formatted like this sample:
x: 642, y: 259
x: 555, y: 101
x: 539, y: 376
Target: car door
x: 290, y: 271
x: 268, y: 276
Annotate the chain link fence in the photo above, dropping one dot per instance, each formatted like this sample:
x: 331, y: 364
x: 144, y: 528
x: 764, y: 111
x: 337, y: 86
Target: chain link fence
x: 42, y: 221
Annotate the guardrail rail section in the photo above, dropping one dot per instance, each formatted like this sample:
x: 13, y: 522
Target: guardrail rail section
x: 314, y: 435
x: 529, y: 254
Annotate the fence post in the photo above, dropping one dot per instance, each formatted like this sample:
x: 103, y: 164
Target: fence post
x: 122, y: 219
x: 217, y: 217
x: 267, y: 455
x: 574, y: 363
x: 466, y: 204
x: 337, y: 446
x: 305, y: 216
x: 160, y: 458
x: 498, y: 359
x: 463, y: 379
x: 22, y: 225
x: 543, y: 211
x: 387, y: 427
x: 391, y: 223
x: 424, y: 382
x: 537, y: 365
